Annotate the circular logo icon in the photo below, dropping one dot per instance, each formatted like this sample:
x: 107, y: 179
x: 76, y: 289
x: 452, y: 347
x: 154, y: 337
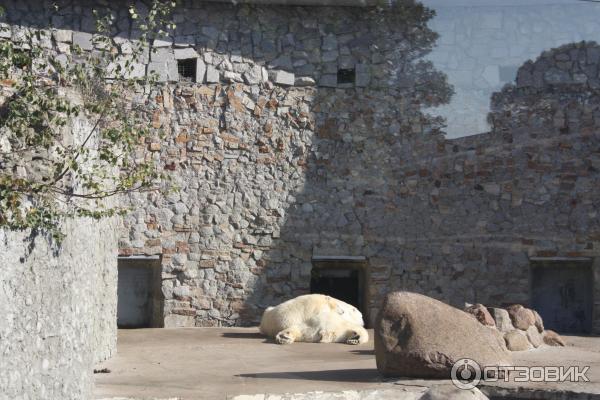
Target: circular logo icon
x: 465, y: 374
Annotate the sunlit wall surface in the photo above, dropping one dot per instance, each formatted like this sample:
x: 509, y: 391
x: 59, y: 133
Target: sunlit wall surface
x: 483, y: 43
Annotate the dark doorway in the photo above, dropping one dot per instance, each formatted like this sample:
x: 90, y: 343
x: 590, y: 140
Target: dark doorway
x: 562, y: 293
x: 139, y: 293
x: 341, y: 278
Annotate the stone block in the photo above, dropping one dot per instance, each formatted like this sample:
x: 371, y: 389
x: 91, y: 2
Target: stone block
x: 211, y: 32
x: 282, y: 78
x: 160, y: 69
x: 172, y: 71
x: 5, y: 32
x: 162, y: 55
x: 185, y: 53
x: 200, y: 70
x: 63, y: 35
x: 330, y: 56
x: 304, y: 81
x: 212, y: 74
x: 329, y: 80
x: 83, y: 40
x: 184, y: 41
x: 284, y: 62
x: 329, y: 42
x: 161, y: 43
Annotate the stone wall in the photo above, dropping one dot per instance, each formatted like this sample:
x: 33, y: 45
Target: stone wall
x: 57, y: 310
x: 278, y: 161
x: 273, y: 159
x: 529, y: 188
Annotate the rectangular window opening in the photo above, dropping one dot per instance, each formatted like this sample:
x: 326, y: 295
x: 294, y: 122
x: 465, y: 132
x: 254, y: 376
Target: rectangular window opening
x: 140, y: 300
x: 346, y: 76
x: 187, y: 69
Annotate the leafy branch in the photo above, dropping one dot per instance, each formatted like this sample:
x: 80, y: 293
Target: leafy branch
x: 70, y: 123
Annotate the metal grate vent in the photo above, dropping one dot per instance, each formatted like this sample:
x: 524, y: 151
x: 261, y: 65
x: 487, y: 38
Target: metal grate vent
x: 187, y: 69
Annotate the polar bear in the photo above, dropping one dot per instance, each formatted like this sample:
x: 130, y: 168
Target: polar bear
x: 314, y: 318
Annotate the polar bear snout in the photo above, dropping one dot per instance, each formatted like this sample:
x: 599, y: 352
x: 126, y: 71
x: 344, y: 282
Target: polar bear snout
x: 357, y: 336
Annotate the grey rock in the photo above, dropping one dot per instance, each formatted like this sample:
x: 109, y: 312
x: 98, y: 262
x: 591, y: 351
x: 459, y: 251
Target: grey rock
x: 534, y: 336
x: 304, y: 81
x: 521, y: 317
x: 517, y: 341
x: 212, y: 74
x: 282, y: 78
x: 502, y: 319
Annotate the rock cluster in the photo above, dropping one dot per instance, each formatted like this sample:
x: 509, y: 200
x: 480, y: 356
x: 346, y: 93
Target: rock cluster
x: 522, y: 328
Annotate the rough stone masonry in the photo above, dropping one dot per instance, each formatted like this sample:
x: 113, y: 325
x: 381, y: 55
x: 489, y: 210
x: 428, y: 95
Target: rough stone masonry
x: 303, y: 136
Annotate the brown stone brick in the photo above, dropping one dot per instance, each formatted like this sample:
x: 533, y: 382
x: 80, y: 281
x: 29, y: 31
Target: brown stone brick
x: 154, y: 147
x: 206, y: 264
x: 153, y: 242
x: 126, y: 251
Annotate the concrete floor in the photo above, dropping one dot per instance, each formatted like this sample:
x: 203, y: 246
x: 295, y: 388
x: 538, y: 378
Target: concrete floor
x: 215, y: 363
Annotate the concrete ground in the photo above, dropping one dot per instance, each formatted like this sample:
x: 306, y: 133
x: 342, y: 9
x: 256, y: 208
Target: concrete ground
x: 217, y: 363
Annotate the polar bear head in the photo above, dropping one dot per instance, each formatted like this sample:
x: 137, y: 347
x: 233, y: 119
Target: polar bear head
x: 348, y: 312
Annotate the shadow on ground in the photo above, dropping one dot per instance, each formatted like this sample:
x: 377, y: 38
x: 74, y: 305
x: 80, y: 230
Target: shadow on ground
x: 245, y: 335
x: 334, y: 375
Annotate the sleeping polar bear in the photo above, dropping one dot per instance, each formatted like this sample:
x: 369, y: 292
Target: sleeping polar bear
x: 314, y: 318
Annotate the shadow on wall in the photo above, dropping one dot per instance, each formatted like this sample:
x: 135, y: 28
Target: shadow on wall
x: 271, y: 176
x: 344, y: 204
x: 477, y: 209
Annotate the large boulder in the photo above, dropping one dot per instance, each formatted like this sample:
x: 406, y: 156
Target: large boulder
x: 481, y: 313
x: 521, y: 317
x: 417, y: 336
x: 517, y: 341
x: 552, y: 338
x: 502, y: 319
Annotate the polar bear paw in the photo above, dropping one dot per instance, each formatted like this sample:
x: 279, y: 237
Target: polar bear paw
x: 285, y: 337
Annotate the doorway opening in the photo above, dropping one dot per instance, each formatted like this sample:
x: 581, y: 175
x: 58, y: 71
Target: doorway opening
x: 140, y: 300
x: 562, y: 293
x: 343, y: 278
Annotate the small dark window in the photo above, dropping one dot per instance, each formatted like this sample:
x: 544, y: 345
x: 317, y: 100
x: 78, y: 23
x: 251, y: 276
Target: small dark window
x: 345, y: 76
x: 187, y: 69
